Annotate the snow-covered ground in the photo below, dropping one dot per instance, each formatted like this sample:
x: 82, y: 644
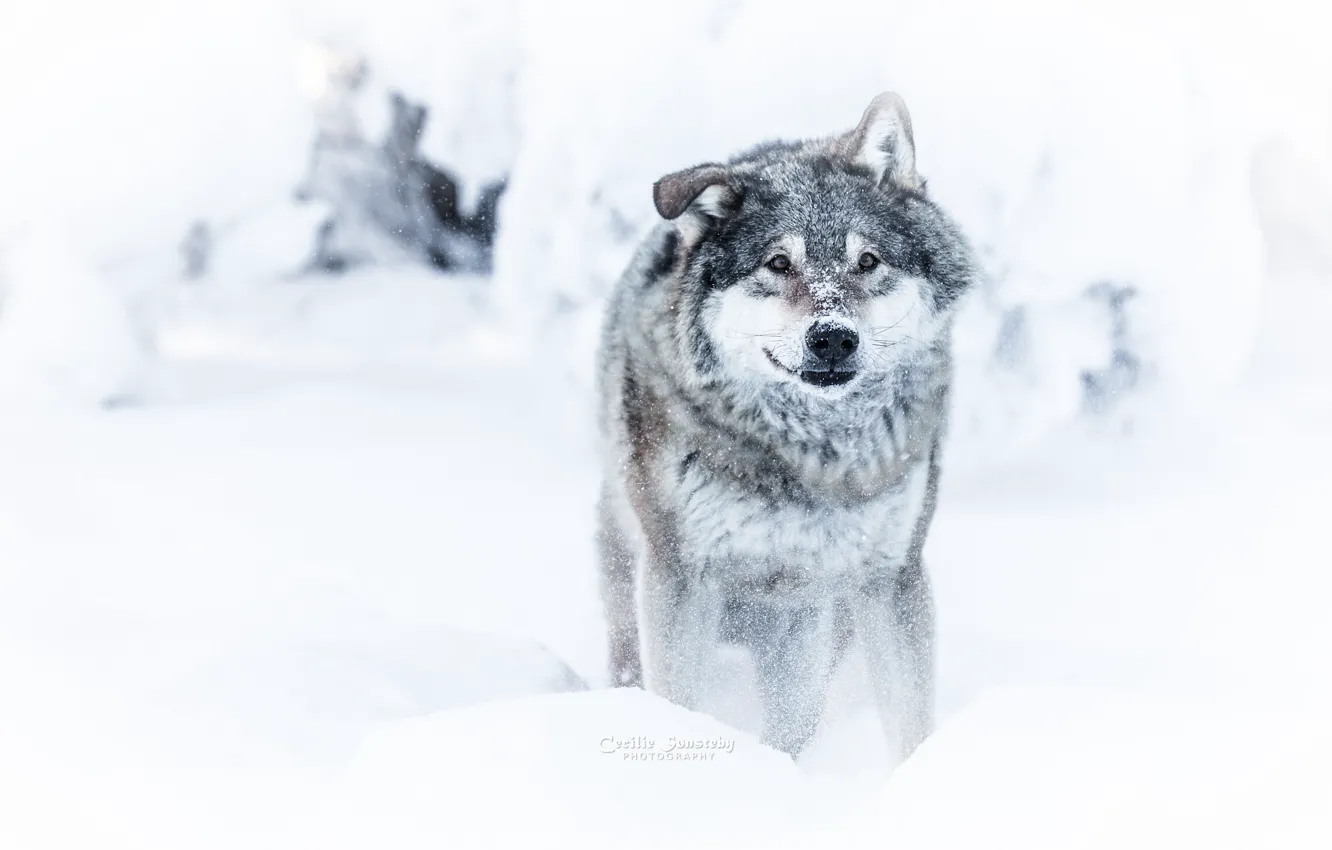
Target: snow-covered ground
x: 307, y: 563
x: 283, y: 605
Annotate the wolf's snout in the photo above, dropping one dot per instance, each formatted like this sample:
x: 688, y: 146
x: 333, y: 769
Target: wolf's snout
x: 831, y: 342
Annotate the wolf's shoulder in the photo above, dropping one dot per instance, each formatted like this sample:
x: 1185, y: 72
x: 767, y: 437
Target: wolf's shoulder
x: 636, y: 304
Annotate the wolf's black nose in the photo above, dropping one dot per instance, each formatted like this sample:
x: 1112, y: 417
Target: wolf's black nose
x: 831, y: 342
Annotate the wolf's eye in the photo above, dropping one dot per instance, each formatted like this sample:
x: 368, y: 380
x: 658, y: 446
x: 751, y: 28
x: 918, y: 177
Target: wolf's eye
x: 868, y: 261
x: 780, y: 263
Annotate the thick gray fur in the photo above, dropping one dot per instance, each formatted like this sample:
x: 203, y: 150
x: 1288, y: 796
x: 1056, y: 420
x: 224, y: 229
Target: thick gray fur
x: 741, y: 502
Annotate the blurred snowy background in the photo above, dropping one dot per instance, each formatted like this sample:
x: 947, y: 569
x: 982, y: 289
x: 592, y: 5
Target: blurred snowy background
x: 296, y: 491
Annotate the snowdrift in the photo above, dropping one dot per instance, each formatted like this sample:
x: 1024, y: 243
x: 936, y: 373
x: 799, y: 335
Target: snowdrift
x: 1063, y: 768
x: 608, y: 768
x: 1030, y: 768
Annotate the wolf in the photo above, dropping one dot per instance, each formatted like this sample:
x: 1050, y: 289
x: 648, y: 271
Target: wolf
x: 773, y: 386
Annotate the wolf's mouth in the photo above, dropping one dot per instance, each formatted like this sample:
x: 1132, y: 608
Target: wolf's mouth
x: 827, y: 379
x: 819, y: 378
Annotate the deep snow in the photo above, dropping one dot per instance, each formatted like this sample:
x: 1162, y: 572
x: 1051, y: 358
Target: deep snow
x: 242, y: 616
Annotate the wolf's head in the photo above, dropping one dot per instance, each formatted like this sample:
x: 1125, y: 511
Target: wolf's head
x: 816, y: 265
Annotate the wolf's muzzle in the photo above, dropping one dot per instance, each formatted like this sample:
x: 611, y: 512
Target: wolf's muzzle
x: 830, y: 346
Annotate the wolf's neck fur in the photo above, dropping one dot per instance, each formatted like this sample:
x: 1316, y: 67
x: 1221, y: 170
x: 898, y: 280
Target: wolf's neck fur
x: 844, y: 448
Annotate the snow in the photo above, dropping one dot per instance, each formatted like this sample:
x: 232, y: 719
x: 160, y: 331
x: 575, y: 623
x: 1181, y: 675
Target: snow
x: 589, y: 768
x: 185, y: 571
x: 255, y: 615
x: 1024, y: 769
x: 306, y: 562
x: 65, y: 337
x: 1017, y: 768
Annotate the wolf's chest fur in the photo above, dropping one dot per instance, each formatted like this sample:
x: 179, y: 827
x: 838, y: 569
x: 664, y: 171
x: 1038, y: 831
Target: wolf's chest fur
x: 761, y: 528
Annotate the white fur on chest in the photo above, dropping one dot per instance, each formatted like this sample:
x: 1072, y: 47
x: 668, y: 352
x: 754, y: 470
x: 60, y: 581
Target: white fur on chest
x: 790, y: 548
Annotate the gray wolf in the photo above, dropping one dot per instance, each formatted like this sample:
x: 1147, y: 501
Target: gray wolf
x: 773, y: 386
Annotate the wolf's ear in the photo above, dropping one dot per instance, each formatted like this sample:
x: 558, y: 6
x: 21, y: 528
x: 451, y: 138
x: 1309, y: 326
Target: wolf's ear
x: 882, y: 143
x: 705, y: 185
x: 695, y: 198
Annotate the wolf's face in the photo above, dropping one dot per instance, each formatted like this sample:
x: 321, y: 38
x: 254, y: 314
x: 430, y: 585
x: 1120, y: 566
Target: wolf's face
x: 816, y: 265
x: 818, y: 284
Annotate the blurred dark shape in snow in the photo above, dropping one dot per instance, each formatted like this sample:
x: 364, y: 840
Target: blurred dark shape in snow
x: 196, y: 250
x: 1011, y: 348
x: 1104, y: 388
x: 388, y: 203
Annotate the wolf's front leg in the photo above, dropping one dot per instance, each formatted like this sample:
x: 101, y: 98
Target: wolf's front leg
x: 794, y: 650
x: 894, y: 616
x: 617, y: 595
x: 681, y: 626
